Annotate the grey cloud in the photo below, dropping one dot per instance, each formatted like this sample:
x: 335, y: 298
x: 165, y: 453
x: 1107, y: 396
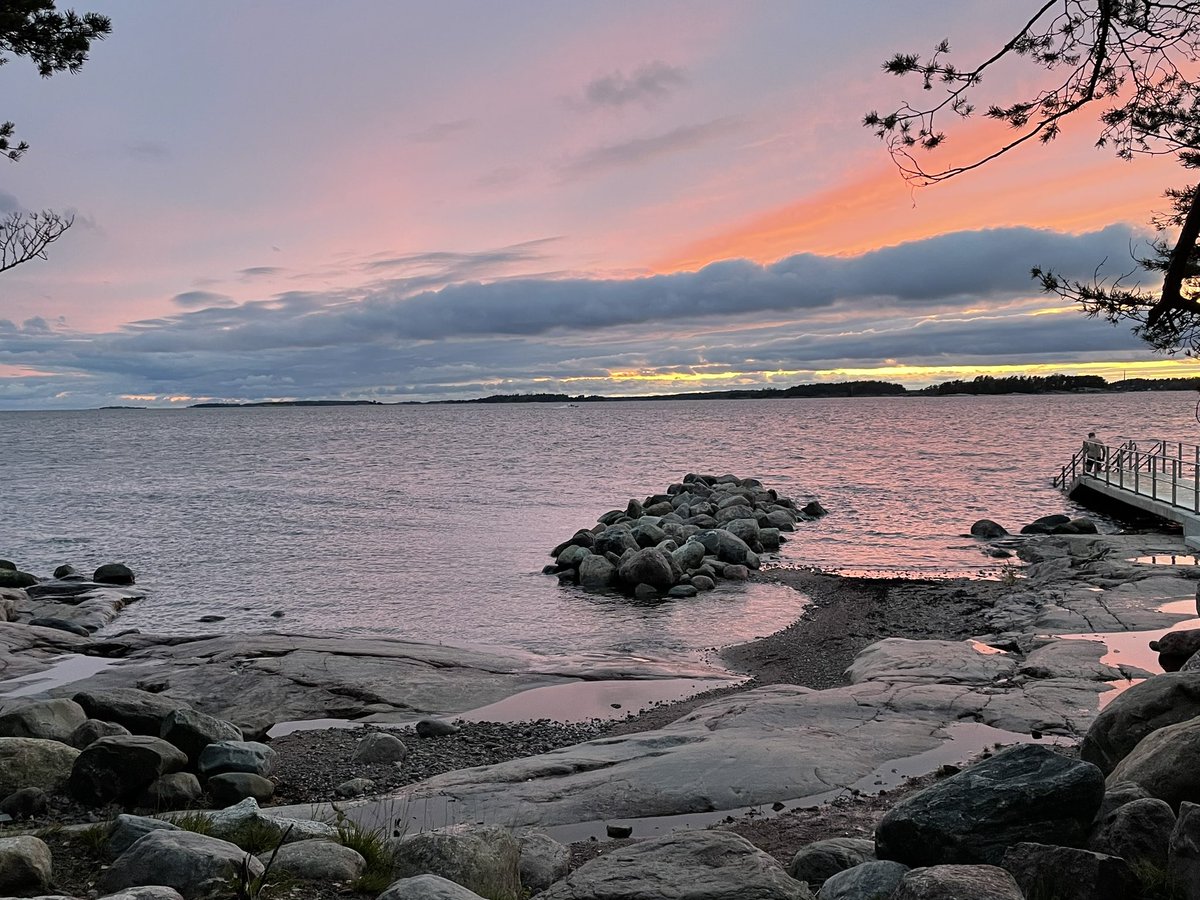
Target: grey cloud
x: 440, y: 131
x: 8, y: 203
x: 646, y: 84
x: 202, y: 298
x: 148, y: 151
x: 260, y: 271
x: 642, y: 150
x: 911, y: 302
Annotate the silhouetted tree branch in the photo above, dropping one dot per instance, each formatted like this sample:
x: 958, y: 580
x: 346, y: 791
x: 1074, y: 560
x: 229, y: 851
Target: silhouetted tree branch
x: 1139, y: 60
x: 25, y: 236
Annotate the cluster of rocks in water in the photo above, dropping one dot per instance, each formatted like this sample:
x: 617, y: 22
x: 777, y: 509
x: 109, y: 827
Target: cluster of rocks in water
x: 70, y: 600
x: 681, y: 542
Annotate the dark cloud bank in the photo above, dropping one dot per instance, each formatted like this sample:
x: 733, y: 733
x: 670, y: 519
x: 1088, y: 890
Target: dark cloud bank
x: 955, y: 299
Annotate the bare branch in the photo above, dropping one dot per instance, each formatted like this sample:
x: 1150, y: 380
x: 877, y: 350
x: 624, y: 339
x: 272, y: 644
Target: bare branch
x: 25, y: 236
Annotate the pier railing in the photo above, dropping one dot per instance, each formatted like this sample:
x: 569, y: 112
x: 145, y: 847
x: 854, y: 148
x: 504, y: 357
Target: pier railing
x: 1166, y: 471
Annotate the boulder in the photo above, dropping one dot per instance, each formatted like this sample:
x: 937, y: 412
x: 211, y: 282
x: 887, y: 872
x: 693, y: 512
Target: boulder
x: 681, y: 591
x: 60, y: 625
x: 355, y: 787
x: 730, y: 513
x: 1117, y: 794
x: 64, y: 570
x: 427, y: 728
x: 748, y: 530
x: 113, y: 573
x: 127, y: 830
x: 51, y: 720
x: 178, y: 790
x: 596, y: 573
x: 647, y: 534
x: 198, y: 866
x: 236, y: 756
x: 149, y: 892
x: 427, y: 887
x: 246, y: 816
x: 1139, y: 832
x: 987, y: 529
x: 481, y: 858
x: 26, y: 803
x: 139, y: 711
x: 1026, y: 793
x: 1045, y: 524
x: 647, y: 566
x: 614, y: 539
x: 1075, y: 526
x: 702, y: 865
x: 703, y: 583
x: 1183, y: 853
x: 11, y: 578
x: 1163, y: 763
x: 573, y: 556
x: 781, y: 519
x: 92, y: 730
x: 234, y: 787
x: 1178, y: 643
x: 1145, y: 707
x: 321, y: 861
x: 814, y: 509
x: 952, y: 882
x: 876, y: 880
x: 543, y: 861
x: 815, y: 862
x: 1066, y: 873
x: 724, y: 546
x: 378, y: 747
x: 33, y: 762
x: 736, y: 573
x: 25, y: 863
x: 120, y: 768
x: 689, y: 556
x: 192, y: 731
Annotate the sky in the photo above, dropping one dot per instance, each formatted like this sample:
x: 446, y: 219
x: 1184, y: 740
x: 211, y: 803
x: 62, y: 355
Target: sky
x: 380, y: 200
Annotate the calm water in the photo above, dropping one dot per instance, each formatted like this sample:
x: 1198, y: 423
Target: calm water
x: 433, y: 523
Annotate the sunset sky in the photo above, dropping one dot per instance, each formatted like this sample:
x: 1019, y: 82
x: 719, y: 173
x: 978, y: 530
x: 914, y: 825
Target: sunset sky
x: 387, y: 200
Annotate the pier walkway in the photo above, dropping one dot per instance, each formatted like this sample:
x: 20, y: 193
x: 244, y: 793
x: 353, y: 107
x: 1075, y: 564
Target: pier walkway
x: 1158, y: 477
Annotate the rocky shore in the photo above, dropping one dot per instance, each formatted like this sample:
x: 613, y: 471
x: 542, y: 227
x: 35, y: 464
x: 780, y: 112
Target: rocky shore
x: 880, y: 682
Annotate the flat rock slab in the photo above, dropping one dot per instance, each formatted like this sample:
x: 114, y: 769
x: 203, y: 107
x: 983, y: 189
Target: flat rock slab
x: 773, y: 743
x: 259, y: 680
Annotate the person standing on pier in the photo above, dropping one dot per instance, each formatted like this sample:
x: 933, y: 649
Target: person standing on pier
x: 1093, y: 455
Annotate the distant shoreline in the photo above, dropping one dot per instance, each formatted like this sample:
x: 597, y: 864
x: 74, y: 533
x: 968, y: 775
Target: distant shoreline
x: 983, y: 385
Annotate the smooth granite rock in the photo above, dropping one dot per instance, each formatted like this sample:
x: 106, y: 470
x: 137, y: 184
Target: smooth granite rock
x: 958, y: 882
x: 233, y: 787
x: 236, y: 756
x: 92, y: 730
x: 482, y: 858
x: 875, y: 880
x: 1155, y: 703
x: 543, y: 860
x: 380, y: 748
x: 819, y: 860
x: 127, y: 830
x: 1163, y: 763
x: 427, y: 887
x: 320, y: 861
x: 33, y: 762
x: 139, y: 711
x: 25, y: 864
x: 713, y: 865
x: 51, y: 720
x: 191, y: 731
x: 198, y: 866
x: 1138, y: 831
x: 120, y: 768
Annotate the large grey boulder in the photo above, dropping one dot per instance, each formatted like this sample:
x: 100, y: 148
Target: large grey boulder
x: 1139, y: 832
x: 92, y: 730
x: 177, y: 790
x: 191, y: 731
x: 139, y: 711
x: 1026, y: 793
x: 543, y: 860
x: 748, y: 531
x: 322, y: 861
x: 1066, y: 873
x: 1183, y: 855
x: 25, y: 864
x: 234, y: 787
x: 647, y: 566
x: 726, y: 547
x: 956, y: 882
x: 596, y: 573
x: 120, y: 768
x: 127, y: 830
x: 987, y: 529
x: 236, y: 756
x: 198, y: 866
x: 149, y: 892
x: 427, y: 887
x: 689, y: 556
x: 33, y: 762
x: 1119, y: 793
x: 380, y: 747
x: 481, y: 858
x: 876, y: 880
x: 1145, y: 707
x: 246, y: 816
x: 1164, y: 763
x: 615, y: 539
x: 51, y: 720
x: 706, y: 865
x: 819, y: 860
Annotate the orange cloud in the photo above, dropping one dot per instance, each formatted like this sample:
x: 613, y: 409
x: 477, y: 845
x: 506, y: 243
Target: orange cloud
x: 1067, y: 187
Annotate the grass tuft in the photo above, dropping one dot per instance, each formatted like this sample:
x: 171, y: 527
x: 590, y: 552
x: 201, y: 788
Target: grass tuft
x: 372, y: 845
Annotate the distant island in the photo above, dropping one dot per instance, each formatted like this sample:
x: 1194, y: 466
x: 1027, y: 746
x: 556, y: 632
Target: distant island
x: 980, y: 385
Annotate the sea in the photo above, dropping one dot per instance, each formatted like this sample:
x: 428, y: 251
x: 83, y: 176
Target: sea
x: 433, y: 523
